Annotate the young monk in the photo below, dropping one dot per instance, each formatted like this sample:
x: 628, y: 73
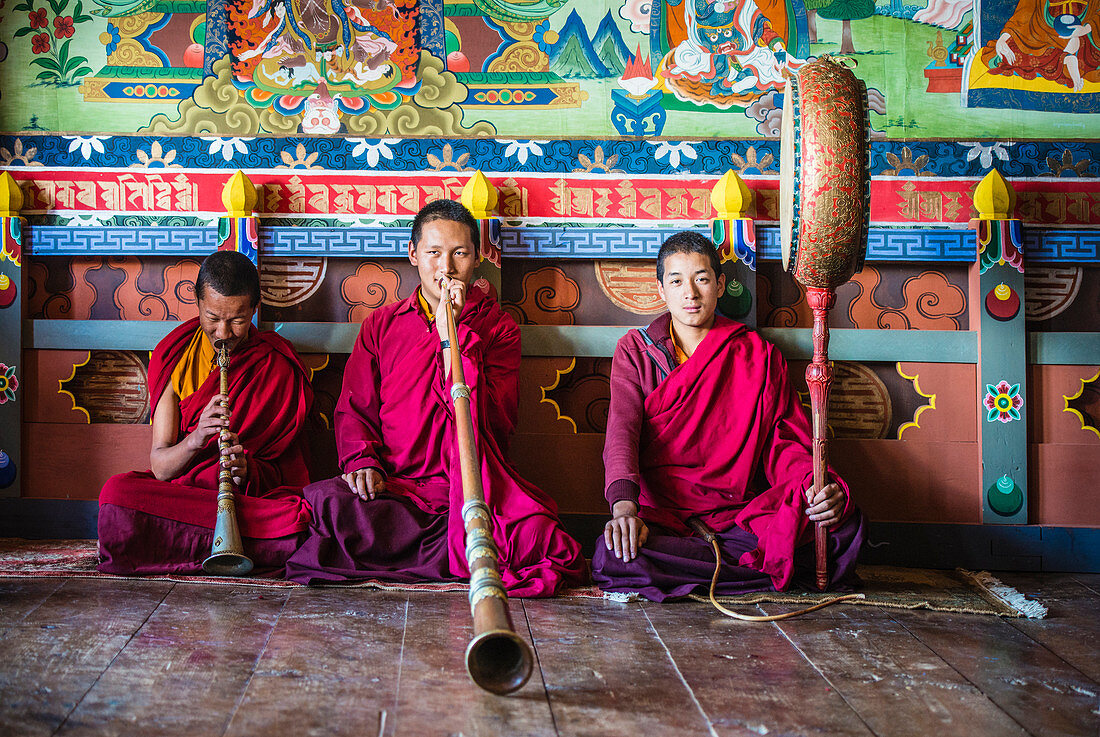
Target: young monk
x: 704, y: 423
x: 395, y: 512
x: 162, y: 520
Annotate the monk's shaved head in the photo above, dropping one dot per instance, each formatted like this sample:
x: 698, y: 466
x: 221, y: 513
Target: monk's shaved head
x: 230, y: 274
x: 456, y: 212
x: 688, y: 241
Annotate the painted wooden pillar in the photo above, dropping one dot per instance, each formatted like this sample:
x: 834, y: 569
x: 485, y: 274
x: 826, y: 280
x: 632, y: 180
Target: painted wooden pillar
x: 12, y: 304
x: 734, y: 234
x: 237, y: 229
x: 480, y: 198
x: 996, y: 312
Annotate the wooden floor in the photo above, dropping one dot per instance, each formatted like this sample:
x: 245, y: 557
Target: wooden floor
x: 97, y: 657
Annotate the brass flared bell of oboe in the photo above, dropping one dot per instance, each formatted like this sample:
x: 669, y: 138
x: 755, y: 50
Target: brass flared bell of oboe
x: 227, y: 556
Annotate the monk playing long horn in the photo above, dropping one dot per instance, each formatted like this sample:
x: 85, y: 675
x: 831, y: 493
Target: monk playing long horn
x: 395, y: 513
x: 705, y: 431
x: 162, y: 520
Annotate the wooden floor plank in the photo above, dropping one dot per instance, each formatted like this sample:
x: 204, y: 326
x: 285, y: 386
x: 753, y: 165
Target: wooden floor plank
x: 776, y: 690
x: 607, y: 672
x: 1038, y: 689
x: 437, y: 697
x: 187, y: 667
x: 58, y: 649
x: 1091, y: 580
x: 20, y: 596
x: 1071, y: 628
x: 896, y: 684
x: 330, y: 667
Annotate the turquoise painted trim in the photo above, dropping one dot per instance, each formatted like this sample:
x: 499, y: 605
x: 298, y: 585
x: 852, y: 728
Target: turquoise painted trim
x: 103, y: 335
x: 1064, y: 349
x: 11, y: 358
x: 594, y: 341
x: 929, y: 346
x: 582, y: 341
x: 317, y: 337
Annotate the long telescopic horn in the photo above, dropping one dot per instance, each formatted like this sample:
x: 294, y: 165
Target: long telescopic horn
x: 497, y: 659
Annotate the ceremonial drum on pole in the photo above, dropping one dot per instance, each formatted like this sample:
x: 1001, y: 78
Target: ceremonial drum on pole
x: 825, y: 193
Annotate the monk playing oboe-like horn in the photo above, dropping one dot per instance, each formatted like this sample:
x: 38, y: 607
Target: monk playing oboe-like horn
x: 162, y: 520
x: 395, y: 513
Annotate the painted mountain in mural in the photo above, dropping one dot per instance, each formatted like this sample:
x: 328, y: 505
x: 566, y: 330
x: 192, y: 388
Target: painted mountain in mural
x: 576, y: 55
x: 610, y: 47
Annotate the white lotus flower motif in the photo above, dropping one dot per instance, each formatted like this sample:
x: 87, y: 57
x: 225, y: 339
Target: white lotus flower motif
x: 674, y: 151
x: 374, y: 151
x: 86, y: 144
x: 987, y: 151
x: 523, y: 149
x: 94, y: 220
x: 227, y: 147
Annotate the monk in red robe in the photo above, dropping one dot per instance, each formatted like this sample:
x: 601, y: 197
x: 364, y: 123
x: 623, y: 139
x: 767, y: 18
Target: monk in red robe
x: 705, y: 424
x: 395, y: 512
x: 162, y: 520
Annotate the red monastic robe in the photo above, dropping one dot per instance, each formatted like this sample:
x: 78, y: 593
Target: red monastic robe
x: 396, y: 414
x: 151, y: 526
x: 721, y: 437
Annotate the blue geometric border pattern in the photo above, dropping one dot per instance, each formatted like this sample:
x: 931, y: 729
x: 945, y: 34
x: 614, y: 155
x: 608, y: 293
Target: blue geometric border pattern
x: 532, y: 241
x: 904, y: 159
x: 61, y: 240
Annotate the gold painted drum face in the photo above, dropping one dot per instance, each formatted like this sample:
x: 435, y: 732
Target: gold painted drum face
x: 825, y: 184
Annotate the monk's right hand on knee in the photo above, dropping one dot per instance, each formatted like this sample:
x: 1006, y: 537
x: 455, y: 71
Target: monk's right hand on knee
x: 625, y: 532
x: 365, y: 483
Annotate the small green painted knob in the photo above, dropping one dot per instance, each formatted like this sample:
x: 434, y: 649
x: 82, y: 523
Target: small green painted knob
x: 735, y: 301
x: 1005, y: 497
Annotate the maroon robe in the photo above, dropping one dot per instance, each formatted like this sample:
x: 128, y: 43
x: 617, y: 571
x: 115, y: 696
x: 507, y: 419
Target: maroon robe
x: 721, y: 437
x: 148, y: 526
x: 396, y: 415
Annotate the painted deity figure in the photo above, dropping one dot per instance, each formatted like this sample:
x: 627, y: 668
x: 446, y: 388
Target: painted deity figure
x: 323, y: 56
x: 731, y: 53
x: 1058, y: 40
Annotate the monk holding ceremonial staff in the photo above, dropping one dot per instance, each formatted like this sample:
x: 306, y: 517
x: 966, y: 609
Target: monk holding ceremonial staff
x: 162, y: 520
x: 705, y: 427
x: 395, y: 512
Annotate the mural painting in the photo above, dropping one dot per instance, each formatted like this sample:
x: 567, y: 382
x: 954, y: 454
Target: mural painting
x: 687, y: 69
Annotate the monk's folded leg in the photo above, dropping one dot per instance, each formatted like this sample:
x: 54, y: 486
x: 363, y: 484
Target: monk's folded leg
x: 387, y: 538
x: 137, y: 543
x: 670, y: 566
x: 541, y: 559
x: 845, y: 542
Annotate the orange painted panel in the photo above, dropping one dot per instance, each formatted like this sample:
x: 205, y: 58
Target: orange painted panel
x: 1064, y: 482
x: 43, y: 370
x: 567, y: 467
x: 1049, y: 421
x: 64, y: 461
x: 910, y: 480
x: 955, y: 414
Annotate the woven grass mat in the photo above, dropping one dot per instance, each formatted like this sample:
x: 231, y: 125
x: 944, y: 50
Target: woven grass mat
x: 913, y: 588
x: 884, y: 586
x: 78, y: 558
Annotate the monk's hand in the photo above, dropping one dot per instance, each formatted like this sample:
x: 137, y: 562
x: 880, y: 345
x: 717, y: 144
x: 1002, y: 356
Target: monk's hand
x: 233, y: 457
x: 212, y: 420
x: 826, y: 505
x: 625, y: 532
x: 365, y: 483
x: 457, y: 289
